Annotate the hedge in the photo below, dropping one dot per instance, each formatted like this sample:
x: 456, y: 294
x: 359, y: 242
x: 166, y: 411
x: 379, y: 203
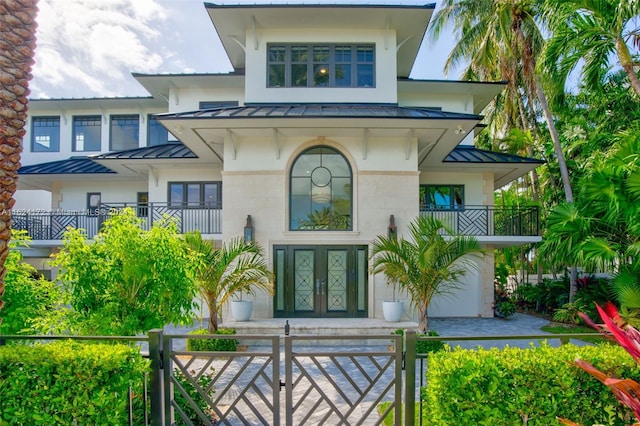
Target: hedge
x: 212, y: 345
x: 533, y: 386
x: 64, y: 383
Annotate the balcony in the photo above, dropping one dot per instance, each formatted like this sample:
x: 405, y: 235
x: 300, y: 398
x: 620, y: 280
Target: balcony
x: 489, y: 221
x: 50, y: 225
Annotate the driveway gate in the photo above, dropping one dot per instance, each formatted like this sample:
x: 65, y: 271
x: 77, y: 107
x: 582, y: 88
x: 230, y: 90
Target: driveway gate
x: 337, y: 380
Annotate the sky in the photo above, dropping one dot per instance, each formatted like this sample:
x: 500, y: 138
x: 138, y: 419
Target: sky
x: 89, y: 48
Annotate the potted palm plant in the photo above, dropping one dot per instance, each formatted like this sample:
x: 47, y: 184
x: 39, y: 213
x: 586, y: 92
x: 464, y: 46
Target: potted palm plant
x: 236, y: 267
x: 393, y: 309
x: 433, y: 261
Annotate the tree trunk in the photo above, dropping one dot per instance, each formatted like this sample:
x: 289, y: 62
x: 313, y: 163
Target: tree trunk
x: 17, y: 45
x: 626, y: 62
x: 422, y: 318
x: 213, y: 323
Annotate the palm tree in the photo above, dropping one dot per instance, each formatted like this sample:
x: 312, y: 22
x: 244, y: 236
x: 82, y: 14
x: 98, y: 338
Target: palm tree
x: 503, y: 39
x: 592, y: 31
x: 236, y: 267
x: 17, y: 45
x: 432, y: 262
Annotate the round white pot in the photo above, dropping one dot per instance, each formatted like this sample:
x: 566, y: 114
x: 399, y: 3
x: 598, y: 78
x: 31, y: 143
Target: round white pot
x: 393, y: 310
x: 241, y: 309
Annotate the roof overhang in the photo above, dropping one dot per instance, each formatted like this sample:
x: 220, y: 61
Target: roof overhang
x: 409, y: 22
x: 205, y: 132
x: 159, y: 85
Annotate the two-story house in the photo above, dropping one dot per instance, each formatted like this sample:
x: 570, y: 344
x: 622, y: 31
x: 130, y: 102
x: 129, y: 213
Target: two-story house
x: 314, y: 142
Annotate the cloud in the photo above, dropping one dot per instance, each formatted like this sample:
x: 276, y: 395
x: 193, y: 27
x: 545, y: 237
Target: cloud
x: 90, y: 47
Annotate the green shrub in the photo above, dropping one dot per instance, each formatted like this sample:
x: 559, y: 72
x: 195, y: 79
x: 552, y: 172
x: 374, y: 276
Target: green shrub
x: 524, y: 386
x: 205, y: 382
x: 505, y: 308
x: 66, y: 383
x: 425, y: 346
x: 212, y: 345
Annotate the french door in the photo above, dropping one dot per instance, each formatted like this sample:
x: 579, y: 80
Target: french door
x: 320, y: 281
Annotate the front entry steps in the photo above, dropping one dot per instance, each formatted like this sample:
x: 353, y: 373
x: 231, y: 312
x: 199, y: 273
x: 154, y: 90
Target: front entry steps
x: 320, y: 326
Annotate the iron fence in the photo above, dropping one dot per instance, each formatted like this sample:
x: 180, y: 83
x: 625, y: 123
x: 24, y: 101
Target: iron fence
x: 489, y: 220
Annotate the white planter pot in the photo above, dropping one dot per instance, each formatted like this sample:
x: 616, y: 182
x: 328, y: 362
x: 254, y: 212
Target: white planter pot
x: 393, y: 310
x: 241, y: 309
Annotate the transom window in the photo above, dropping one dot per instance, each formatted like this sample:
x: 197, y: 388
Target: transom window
x: 125, y: 132
x: 195, y: 194
x: 321, y: 191
x: 87, y: 133
x: 45, y: 134
x: 330, y: 65
x: 444, y: 197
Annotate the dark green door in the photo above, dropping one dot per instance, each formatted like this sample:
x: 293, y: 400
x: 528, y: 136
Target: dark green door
x: 320, y: 281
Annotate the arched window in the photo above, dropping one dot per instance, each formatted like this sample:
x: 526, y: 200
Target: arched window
x: 321, y: 191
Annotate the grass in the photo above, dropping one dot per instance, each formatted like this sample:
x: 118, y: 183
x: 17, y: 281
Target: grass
x: 558, y: 328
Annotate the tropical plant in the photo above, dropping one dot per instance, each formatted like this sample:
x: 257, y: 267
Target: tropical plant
x: 626, y: 390
x: 126, y: 280
x: 238, y: 266
x: 17, y: 46
x: 433, y: 261
x: 589, y: 33
x: 27, y: 294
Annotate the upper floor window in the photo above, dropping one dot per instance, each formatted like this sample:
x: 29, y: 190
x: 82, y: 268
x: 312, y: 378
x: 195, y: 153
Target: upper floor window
x: 87, y: 132
x: 157, y: 134
x: 330, y: 65
x: 125, y: 132
x: 195, y: 194
x: 320, y: 191
x: 444, y: 197
x: 45, y: 134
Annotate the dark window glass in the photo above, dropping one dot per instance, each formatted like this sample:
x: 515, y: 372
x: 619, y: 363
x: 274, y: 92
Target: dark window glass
x: 195, y: 194
x: 321, y: 191
x: 445, y: 197
x: 87, y: 133
x: 125, y: 132
x: 217, y: 104
x: 156, y: 132
x: 321, y: 66
x: 45, y: 134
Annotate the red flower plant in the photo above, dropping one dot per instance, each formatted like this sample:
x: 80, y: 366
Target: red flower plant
x: 626, y: 390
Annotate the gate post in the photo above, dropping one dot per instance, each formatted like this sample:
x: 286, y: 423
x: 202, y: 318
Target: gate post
x: 156, y: 385
x: 409, y: 377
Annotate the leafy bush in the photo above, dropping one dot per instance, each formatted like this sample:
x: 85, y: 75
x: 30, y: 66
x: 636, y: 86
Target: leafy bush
x: 505, y: 308
x: 570, y: 312
x: 212, y: 345
x: 27, y: 295
x: 205, y: 383
x: 523, y: 386
x: 66, y: 383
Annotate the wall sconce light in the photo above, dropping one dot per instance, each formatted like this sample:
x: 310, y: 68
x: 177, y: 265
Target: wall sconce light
x: 392, y: 230
x: 459, y: 130
x: 248, y: 230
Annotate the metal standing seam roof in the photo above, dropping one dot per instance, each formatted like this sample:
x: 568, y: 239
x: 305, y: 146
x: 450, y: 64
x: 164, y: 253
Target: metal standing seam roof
x: 155, y: 152
x: 470, y: 154
x: 320, y: 111
x: 70, y: 166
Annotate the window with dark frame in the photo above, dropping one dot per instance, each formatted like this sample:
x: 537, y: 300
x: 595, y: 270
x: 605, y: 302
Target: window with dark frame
x: 441, y: 197
x: 87, y: 133
x: 124, y: 132
x: 326, y: 65
x: 45, y: 134
x: 195, y: 194
x: 157, y: 134
x: 217, y: 104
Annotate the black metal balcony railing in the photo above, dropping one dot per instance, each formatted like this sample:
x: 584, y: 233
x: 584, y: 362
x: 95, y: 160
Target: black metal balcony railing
x: 51, y: 225
x: 489, y: 220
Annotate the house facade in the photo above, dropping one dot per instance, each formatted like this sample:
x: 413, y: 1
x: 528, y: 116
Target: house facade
x: 316, y: 143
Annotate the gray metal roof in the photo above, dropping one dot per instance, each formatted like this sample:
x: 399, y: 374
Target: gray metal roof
x: 470, y: 154
x: 320, y: 111
x: 166, y: 151
x: 73, y: 165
